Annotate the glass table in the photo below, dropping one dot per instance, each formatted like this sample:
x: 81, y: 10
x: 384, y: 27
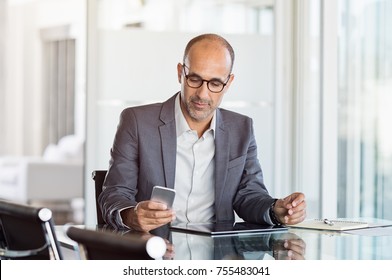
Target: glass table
x: 363, y: 244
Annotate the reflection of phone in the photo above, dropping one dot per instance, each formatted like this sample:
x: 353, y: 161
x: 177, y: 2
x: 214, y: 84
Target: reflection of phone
x: 163, y: 195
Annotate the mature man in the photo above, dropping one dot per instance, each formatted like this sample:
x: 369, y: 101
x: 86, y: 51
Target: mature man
x: 207, y: 154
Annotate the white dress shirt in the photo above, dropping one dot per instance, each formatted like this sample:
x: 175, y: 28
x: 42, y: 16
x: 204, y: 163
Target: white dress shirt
x: 194, y: 178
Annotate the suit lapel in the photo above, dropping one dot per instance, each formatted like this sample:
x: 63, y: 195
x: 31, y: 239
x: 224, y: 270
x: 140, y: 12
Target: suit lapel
x: 168, y: 141
x: 221, y: 159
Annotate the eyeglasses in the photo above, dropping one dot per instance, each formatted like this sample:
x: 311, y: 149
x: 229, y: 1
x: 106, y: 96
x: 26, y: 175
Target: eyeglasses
x: 195, y: 81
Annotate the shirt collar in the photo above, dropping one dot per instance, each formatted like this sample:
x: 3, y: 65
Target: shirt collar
x: 181, y: 123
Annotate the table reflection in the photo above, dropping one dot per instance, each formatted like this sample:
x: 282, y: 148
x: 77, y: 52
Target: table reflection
x: 238, y: 246
x: 186, y: 246
x: 292, y: 244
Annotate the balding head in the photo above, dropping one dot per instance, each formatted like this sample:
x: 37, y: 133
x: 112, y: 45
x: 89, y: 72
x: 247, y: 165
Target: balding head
x: 210, y: 40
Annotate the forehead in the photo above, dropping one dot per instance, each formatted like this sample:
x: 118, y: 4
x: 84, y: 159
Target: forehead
x: 209, y: 58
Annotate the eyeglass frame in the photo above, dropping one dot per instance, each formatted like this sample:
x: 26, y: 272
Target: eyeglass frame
x: 203, y: 80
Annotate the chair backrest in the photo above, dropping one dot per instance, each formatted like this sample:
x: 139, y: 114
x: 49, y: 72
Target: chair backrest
x: 27, y: 232
x: 98, y: 177
x: 107, y: 245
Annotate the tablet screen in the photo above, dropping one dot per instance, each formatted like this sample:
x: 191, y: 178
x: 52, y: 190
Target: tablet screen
x: 225, y: 228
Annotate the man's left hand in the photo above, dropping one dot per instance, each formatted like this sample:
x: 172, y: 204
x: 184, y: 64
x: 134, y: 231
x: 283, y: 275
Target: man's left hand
x: 291, y: 209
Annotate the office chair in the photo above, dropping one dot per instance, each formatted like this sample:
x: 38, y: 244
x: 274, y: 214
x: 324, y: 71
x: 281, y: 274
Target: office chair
x: 108, y: 245
x: 99, y: 177
x: 27, y: 232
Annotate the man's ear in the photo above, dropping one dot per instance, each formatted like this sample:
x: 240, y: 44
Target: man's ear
x: 179, y: 72
x: 230, y: 80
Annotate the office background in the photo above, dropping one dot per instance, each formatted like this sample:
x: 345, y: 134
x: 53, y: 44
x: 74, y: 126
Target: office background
x: 315, y: 75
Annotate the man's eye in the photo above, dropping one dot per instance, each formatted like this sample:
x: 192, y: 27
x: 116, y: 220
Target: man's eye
x: 216, y: 83
x: 194, y: 79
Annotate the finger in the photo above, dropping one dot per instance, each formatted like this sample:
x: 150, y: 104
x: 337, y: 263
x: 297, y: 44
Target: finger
x: 151, y: 219
x: 287, y: 202
x: 295, y: 255
x: 295, y: 218
x: 298, y: 211
x: 149, y: 224
x: 297, y: 199
x: 152, y: 205
x: 300, y: 206
x: 165, y: 215
x: 282, y: 205
x: 294, y: 247
x: 297, y: 242
x: 155, y: 221
x: 150, y: 209
x: 284, y: 255
x: 293, y: 200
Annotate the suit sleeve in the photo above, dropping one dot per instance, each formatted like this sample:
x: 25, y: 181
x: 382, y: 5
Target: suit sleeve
x: 252, y: 200
x: 119, y: 189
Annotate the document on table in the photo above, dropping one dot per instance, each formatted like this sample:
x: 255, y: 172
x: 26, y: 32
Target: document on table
x: 334, y: 225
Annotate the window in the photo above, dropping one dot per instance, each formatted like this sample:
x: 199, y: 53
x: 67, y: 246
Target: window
x: 58, y: 86
x: 364, y: 112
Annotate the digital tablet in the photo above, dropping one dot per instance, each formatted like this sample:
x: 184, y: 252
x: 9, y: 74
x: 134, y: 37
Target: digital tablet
x: 225, y: 228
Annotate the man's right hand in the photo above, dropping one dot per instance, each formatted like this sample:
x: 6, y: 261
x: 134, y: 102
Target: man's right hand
x: 147, y: 215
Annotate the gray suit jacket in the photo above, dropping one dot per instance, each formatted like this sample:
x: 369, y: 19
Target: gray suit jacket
x: 144, y: 155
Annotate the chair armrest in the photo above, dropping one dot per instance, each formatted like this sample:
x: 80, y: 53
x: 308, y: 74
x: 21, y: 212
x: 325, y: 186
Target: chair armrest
x: 6, y: 253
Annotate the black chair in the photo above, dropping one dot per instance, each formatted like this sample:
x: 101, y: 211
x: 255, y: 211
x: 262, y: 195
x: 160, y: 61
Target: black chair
x: 99, y: 177
x: 27, y: 232
x: 109, y: 245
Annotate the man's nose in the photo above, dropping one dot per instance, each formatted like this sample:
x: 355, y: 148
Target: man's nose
x: 203, y: 90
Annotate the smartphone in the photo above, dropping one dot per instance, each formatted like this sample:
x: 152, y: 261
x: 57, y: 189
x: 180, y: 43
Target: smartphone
x: 163, y: 195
